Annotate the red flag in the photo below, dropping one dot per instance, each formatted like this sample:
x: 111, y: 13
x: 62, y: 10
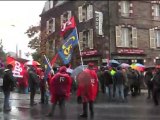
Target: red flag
x: 54, y: 59
x: 68, y: 25
x: 17, y: 66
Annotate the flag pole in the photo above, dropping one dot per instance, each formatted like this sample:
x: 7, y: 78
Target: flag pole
x: 49, y: 64
x: 79, y: 49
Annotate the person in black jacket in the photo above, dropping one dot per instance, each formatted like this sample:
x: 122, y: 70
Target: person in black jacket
x: 156, y: 86
x: 33, y: 84
x: 8, y: 86
x: 148, y: 76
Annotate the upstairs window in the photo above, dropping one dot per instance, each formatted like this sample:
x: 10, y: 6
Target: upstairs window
x: 50, y: 26
x: 125, y: 8
x: 156, y: 11
x: 85, y: 12
x: 154, y: 38
x: 126, y: 37
x: 65, y: 17
x: 86, y: 39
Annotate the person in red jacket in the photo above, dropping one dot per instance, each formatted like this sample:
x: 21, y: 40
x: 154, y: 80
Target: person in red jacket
x: 60, y: 86
x: 87, y: 89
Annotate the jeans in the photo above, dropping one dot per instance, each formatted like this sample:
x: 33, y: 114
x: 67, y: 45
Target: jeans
x: 6, y: 99
x: 120, y: 91
x: 109, y: 91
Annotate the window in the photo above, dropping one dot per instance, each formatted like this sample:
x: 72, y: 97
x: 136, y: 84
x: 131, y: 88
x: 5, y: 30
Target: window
x: 86, y: 39
x: 125, y: 8
x: 126, y: 37
x: 65, y: 17
x: 156, y: 11
x: 50, y: 26
x: 154, y: 38
x: 85, y: 12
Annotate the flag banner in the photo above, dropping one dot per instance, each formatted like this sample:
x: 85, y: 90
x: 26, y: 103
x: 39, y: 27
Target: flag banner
x: 66, y: 50
x: 18, y: 67
x: 68, y: 25
x: 47, y: 67
x: 54, y: 60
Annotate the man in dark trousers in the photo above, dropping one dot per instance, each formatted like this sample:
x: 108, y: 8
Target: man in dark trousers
x: 33, y: 84
x: 156, y: 86
x: 8, y: 86
x: 60, y: 86
x: 87, y: 89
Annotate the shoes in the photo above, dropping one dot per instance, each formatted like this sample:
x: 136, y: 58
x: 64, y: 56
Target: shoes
x: 7, y: 109
x: 49, y: 115
x: 83, y: 115
x: 32, y: 104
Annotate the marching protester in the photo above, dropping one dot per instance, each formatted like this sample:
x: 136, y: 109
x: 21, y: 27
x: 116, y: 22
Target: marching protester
x: 108, y: 84
x: 33, y: 84
x: 119, y: 83
x: 87, y: 89
x: 156, y: 86
x: 8, y: 86
x: 148, y: 77
x: 60, y: 86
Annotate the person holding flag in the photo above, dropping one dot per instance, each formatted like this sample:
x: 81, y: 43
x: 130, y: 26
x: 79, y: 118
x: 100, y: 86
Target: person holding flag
x: 60, y: 90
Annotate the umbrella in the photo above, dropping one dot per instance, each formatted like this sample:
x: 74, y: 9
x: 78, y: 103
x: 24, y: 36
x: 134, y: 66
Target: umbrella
x: 114, y: 63
x: 138, y: 66
x: 34, y: 63
x: 125, y: 65
x: 77, y: 70
x: 69, y: 70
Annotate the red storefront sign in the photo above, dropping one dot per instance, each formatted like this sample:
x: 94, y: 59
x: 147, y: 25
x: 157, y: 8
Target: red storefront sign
x: 130, y: 51
x: 89, y: 53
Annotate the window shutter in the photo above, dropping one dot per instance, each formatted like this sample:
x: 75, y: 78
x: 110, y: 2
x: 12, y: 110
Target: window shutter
x: 47, y: 27
x: 61, y: 19
x: 53, y: 24
x: 118, y: 36
x: 89, y: 12
x: 158, y: 38
x: 134, y: 37
x: 90, y: 40
x: 69, y: 14
x: 80, y: 13
x: 81, y: 40
x: 152, y: 38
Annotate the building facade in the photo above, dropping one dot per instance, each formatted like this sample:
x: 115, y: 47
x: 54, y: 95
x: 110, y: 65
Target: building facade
x: 127, y: 31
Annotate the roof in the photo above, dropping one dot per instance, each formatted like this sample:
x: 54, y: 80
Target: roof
x: 56, y: 3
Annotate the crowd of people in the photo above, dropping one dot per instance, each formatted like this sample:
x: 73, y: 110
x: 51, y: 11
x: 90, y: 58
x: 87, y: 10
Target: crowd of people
x: 118, y: 82
x: 115, y: 82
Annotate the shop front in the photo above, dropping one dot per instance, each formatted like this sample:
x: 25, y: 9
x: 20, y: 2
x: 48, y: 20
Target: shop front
x: 129, y: 55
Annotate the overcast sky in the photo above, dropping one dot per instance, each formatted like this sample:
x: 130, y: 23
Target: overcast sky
x: 15, y: 19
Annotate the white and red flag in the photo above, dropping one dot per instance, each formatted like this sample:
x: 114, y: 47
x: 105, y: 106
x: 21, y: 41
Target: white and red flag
x: 18, y: 67
x: 68, y: 25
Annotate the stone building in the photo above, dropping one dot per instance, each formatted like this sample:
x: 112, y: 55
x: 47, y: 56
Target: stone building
x: 127, y: 31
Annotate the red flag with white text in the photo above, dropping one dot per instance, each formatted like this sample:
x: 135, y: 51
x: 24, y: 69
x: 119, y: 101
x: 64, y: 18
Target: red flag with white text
x: 17, y: 66
x: 68, y: 25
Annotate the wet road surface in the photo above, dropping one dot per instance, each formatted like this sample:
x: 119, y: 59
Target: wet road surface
x: 138, y: 108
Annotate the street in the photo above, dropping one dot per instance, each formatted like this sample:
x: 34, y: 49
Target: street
x: 137, y: 108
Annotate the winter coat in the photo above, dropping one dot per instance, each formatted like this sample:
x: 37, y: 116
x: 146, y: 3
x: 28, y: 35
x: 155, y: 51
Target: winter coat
x: 108, y: 78
x: 33, y: 79
x: 88, y: 88
x: 8, y: 80
x: 60, y: 86
x: 119, y: 78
